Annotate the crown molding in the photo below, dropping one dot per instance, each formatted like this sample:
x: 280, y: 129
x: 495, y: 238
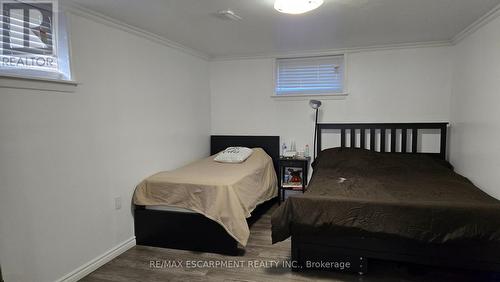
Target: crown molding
x: 329, y: 52
x: 482, y: 21
x: 79, y: 10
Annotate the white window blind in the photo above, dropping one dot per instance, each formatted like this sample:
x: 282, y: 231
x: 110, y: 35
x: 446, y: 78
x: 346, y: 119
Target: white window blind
x: 34, y: 41
x: 313, y: 75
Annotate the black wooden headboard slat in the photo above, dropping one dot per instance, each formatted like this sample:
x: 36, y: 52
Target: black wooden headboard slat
x: 395, y: 129
x: 270, y: 144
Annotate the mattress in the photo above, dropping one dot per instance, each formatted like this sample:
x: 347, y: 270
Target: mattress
x: 226, y: 193
x: 168, y: 208
x: 387, y: 195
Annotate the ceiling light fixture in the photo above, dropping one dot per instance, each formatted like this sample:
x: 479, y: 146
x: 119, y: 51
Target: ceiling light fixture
x: 296, y: 6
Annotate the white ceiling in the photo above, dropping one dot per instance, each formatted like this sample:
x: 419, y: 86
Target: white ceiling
x: 338, y: 24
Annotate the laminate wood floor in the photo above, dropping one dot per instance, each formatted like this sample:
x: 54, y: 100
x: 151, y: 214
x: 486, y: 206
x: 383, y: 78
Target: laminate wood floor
x: 151, y: 264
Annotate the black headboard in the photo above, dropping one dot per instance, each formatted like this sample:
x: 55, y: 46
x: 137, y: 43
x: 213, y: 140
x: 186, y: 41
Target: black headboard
x: 270, y: 144
x: 391, y: 129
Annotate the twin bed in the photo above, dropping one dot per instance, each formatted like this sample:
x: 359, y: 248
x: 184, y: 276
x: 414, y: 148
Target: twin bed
x: 206, y: 205
x: 380, y: 199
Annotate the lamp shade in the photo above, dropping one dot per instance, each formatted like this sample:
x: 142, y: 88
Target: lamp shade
x: 315, y: 104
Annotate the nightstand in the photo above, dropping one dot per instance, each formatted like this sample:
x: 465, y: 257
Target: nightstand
x: 297, y: 164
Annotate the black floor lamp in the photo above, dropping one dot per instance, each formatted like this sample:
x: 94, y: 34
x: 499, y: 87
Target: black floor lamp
x: 315, y: 104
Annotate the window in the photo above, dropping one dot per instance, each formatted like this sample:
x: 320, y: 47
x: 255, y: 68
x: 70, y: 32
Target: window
x: 34, y: 40
x: 310, y: 76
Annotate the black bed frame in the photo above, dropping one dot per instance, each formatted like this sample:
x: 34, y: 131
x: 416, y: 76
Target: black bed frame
x: 393, y: 130
x: 359, y: 249
x: 192, y: 231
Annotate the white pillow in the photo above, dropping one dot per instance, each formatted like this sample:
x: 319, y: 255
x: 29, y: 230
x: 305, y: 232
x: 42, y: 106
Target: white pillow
x: 234, y: 155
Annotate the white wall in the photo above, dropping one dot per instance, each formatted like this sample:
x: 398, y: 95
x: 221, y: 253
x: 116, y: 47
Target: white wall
x: 141, y: 107
x: 405, y: 85
x: 475, y: 138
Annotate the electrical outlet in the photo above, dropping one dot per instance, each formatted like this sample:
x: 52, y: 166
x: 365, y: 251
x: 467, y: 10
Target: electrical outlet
x: 118, y: 203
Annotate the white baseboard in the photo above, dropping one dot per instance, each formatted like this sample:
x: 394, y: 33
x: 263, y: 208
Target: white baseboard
x: 99, y: 261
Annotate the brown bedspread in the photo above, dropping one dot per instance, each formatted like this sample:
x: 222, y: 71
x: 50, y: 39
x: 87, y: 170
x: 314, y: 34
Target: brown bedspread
x: 224, y: 192
x: 418, y: 197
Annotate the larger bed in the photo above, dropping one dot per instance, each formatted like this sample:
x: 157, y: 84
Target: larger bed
x: 409, y: 206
